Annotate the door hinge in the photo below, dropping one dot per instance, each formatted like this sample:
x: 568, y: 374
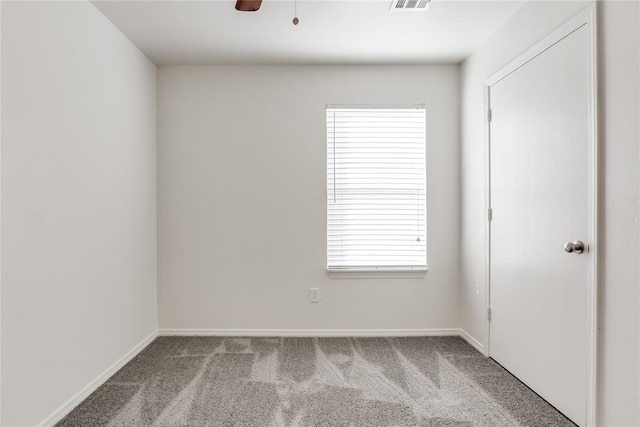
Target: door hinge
x: 489, y: 313
x: 489, y: 115
x: 490, y: 214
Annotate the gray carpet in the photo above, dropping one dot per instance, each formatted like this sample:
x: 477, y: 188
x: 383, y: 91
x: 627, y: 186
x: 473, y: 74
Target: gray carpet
x: 216, y: 381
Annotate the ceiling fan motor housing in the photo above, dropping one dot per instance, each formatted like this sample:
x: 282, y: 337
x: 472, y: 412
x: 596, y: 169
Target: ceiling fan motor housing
x: 248, y: 5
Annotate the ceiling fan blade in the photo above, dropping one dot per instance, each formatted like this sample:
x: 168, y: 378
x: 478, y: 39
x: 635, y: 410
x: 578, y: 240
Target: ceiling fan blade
x: 248, y: 5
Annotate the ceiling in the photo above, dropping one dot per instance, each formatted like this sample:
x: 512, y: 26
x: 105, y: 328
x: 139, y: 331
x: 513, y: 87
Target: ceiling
x: 330, y: 31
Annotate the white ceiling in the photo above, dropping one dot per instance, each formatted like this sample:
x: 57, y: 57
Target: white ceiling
x: 330, y: 31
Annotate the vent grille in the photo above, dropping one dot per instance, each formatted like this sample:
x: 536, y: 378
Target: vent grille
x: 417, y: 5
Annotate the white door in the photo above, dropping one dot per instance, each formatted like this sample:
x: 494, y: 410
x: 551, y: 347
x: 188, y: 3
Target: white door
x: 540, y: 174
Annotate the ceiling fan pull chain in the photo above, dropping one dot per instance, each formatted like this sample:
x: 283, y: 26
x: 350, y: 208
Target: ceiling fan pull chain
x: 295, y: 12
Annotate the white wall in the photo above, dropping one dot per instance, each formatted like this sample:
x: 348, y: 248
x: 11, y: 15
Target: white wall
x: 78, y: 203
x: 619, y: 376
x: 242, y: 198
x: 618, y: 394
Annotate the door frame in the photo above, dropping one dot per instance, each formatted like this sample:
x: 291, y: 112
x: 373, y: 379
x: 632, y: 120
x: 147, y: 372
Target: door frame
x: 585, y: 18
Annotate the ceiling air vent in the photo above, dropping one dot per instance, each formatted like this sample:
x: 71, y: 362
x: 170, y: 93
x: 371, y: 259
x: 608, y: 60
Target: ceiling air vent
x: 417, y: 5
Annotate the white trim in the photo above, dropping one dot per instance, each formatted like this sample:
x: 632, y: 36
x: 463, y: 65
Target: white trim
x: 312, y: 332
x: 472, y: 341
x: 638, y: 94
x: 487, y: 221
x: 422, y: 106
x: 68, y: 406
x: 583, y: 18
x: 416, y: 273
x: 588, y: 18
x: 0, y: 205
x: 592, y: 297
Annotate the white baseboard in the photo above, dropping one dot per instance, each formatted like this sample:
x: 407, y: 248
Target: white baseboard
x: 327, y: 333
x: 312, y: 332
x: 471, y: 340
x: 61, y: 412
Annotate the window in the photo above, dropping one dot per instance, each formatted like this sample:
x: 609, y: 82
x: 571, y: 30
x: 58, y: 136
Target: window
x: 376, y: 189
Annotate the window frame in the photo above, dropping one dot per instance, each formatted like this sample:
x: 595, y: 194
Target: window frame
x: 377, y: 272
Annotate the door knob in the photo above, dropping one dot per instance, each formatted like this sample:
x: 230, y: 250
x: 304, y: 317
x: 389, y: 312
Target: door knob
x: 574, y: 247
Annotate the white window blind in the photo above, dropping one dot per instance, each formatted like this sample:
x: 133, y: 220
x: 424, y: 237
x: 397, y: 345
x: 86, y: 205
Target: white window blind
x: 376, y: 188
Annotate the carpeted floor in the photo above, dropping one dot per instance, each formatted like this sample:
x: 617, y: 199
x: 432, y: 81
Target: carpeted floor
x: 216, y: 381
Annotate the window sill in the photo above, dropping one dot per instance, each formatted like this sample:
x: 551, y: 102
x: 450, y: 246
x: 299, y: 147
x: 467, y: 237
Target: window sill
x: 377, y: 273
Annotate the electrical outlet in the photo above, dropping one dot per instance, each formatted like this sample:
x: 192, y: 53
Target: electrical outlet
x: 314, y: 295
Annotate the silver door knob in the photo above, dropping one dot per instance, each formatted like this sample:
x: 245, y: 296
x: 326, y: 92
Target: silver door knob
x: 574, y: 247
